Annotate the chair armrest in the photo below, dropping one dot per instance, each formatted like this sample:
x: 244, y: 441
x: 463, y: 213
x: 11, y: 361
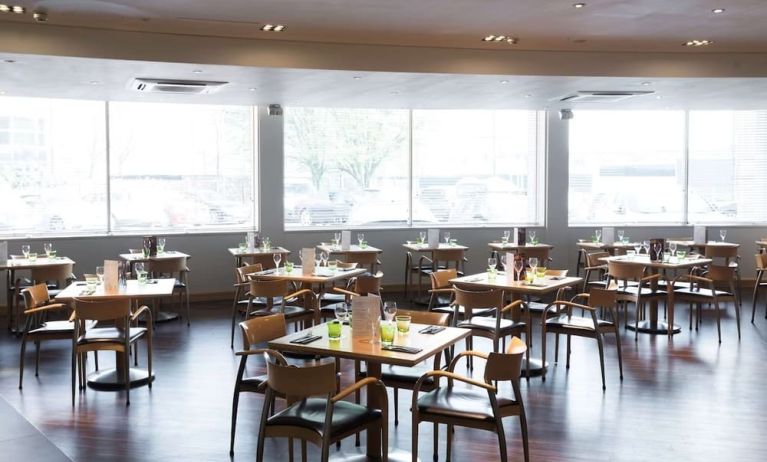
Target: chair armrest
x: 422, y: 259
x: 477, y: 354
x: 441, y: 291
x: 650, y: 277
x: 296, y: 294
x: 344, y: 291
x: 265, y: 351
x: 144, y: 309
x: 51, y: 307
x: 366, y: 382
x: 512, y: 305
x: 241, y: 284
x: 582, y: 295
x: 452, y: 376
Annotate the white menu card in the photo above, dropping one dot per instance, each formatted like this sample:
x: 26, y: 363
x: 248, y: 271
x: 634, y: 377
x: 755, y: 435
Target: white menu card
x: 307, y: 261
x: 3, y: 252
x: 366, y: 312
x: 346, y: 239
x: 433, y: 238
x: 509, y: 266
x: 608, y: 236
x: 515, y: 237
x: 699, y: 234
x: 111, y: 276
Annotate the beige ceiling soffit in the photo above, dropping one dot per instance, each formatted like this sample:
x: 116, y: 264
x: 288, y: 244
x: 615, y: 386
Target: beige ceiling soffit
x: 144, y: 46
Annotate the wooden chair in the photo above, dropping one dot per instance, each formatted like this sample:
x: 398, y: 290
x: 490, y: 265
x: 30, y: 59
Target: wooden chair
x: 441, y: 259
x: 119, y: 337
x: 702, y: 290
x: 38, y: 327
x: 478, y: 406
x: 277, y: 289
x: 174, y: 268
x: 56, y: 277
x: 539, y: 307
x: 366, y: 259
x: 631, y: 288
x: 366, y: 284
x: 318, y: 420
x: 411, y: 269
x: 726, y: 255
x: 761, y: 267
x: 441, y: 292
x: 257, y: 331
x: 595, y: 265
x: 241, y: 294
x: 559, y: 319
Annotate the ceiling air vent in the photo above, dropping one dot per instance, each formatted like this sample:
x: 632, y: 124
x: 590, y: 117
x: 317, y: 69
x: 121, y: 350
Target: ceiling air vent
x: 183, y: 87
x: 602, y: 96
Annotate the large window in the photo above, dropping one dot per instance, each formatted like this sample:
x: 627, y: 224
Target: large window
x: 52, y: 166
x: 180, y: 166
x: 171, y: 167
x: 627, y: 167
x: 379, y: 168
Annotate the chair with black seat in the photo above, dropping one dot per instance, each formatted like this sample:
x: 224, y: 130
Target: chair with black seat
x: 594, y: 264
x: 497, y: 327
x: 537, y: 307
x: 559, y: 319
x: 726, y: 255
x: 441, y: 292
x: 366, y: 284
x: 273, y: 290
x: 257, y: 331
x: 56, y: 277
x: 174, y: 267
x: 319, y: 420
x: 761, y: 267
x: 632, y: 288
x: 478, y: 406
x: 441, y: 259
x: 39, y: 326
x: 412, y: 268
x: 241, y: 294
x: 700, y: 290
x: 118, y: 337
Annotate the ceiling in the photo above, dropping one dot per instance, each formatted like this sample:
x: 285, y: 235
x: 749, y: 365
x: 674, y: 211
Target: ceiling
x: 640, y: 38
x: 603, y: 25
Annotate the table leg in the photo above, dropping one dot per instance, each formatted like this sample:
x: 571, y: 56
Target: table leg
x: 536, y: 364
x: 114, y: 379
x: 653, y: 326
x: 374, y: 436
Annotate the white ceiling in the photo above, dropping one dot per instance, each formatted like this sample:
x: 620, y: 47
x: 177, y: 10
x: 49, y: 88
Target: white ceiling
x: 603, y: 25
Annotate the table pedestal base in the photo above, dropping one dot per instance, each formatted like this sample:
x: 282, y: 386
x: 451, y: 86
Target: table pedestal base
x: 109, y: 379
x: 536, y: 367
x: 660, y: 328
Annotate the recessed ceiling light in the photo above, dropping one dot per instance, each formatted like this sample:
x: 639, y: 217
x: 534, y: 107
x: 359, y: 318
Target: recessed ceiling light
x: 718, y: 10
x: 504, y: 82
x: 18, y: 9
x: 646, y: 84
x: 697, y: 43
x: 579, y: 5
x: 273, y: 27
x: 279, y: 28
x: 501, y: 38
x: 197, y: 71
x: 4, y: 8
x: 488, y: 38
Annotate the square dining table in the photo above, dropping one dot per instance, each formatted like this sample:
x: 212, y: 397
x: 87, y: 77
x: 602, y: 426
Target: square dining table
x: 362, y: 349
x: 241, y: 254
x: 425, y: 248
x: 114, y: 379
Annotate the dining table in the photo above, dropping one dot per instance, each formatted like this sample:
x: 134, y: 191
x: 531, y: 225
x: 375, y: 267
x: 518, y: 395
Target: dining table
x: 654, y: 325
x: 241, y: 254
x: 371, y: 351
x: 11, y: 266
x: 585, y: 247
x: 423, y: 248
x: 114, y: 378
x: 518, y: 290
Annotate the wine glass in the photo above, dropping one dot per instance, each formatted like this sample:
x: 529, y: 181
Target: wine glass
x: 620, y: 235
x: 390, y: 310
x: 25, y: 250
x: 492, y: 264
x: 722, y: 234
x: 532, y: 237
x: 48, y: 247
x: 519, y: 266
x: 533, y: 263
x: 637, y: 248
x: 324, y: 258
x: 277, y: 257
x: 657, y: 249
x: 504, y: 263
x: 447, y: 237
x: 160, y: 245
x: 360, y: 238
x: 100, y: 274
x: 646, y: 246
x: 422, y: 237
x: 598, y: 235
x: 672, y: 248
x: 138, y: 268
x: 336, y: 239
x: 341, y: 312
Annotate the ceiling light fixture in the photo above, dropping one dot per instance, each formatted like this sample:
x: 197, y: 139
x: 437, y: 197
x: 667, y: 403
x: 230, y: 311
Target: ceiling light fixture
x: 18, y: 9
x: 40, y: 16
x: 697, y: 43
x: 718, y: 10
x: 579, y: 5
x: 4, y: 8
x: 501, y: 38
x: 273, y: 27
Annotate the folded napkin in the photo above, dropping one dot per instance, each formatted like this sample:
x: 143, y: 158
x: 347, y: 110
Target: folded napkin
x: 431, y: 330
x: 401, y: 349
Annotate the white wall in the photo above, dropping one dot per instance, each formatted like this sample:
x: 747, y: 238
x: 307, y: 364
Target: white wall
x: 212, y: 266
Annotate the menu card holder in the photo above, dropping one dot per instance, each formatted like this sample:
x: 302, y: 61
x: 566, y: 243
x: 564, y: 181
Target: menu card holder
x: 433, y: 238
x: 608, y: 236
x: 510, y: 256
x: 699, y: 234
x: 346, y: 240
x: 307, y: 261
x: 111, y: 276
x: 4, y: 253
x: 366, y: 311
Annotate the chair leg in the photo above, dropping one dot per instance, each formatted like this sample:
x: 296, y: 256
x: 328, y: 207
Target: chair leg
x: 237, y: 295
x: 601, y: 359
x: 618, y: 347
x: 449, y: 448
x: 188, y: 308
x: 737, y: 317
x: 21, y: 358
x: 235, y: 405
x: 96, y: 359
x: 567, y: 364
x: 543, y: 353
x: 501, y: 440
x: 396, y: 406
x: 74, y: 367
x: 414, y: 440
x: 149, y: 357
x: 126, y: 368
x: 37, y: 358
x: 718, y: 320
x: 523, y: 427
x: 435, y: 450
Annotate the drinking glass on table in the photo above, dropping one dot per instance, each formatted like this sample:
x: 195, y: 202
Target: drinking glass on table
x: 336, y: 240
x: 421, y: 237
x: 598, y: 235
x: 324, y: 258
x: 637, y: 248
x: 533, y: 263
x: 100, y: 274
x: 722, y: 234
x: 447, y: 237
x: 492, y: 264
x: 160, y: 245
x: 48, y: 247
x: 504, y: 262
x: 25, y: 250
x: 657, y: 248
x: 505, y: 237
x: 620, y: 235
x: 341, y: 312
x: 390, y: 310
x: 360, y: 238
x: 672, y: 248
x: 646, y: 246
x: 532, y: 237
x: 146, y: 250
x: 277, y: 258
x: 519, y: 265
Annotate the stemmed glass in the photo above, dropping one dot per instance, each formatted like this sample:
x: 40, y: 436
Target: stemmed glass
x: 492, y: 264
x: 722, y: 234
x: 100, y: 274
x: 672, y: 248
x: 620, y: 235
x: 646, y: 245
x: 637, y: 248
x: 277, y: 258
x: 390, y: 310
x: 533, y: 262
x: 324, y: 258
x: 505, y: 237
x: 336, y: 239
x: 360, y: 238
x: 657, y: 249
x: 48, y: 247
x: 341, y: 312
x: 25, y: 250
x: 160, y: 245
x: 519, y: 266
x: 598, y: 235
x: 422, y: 237
x: 504, y: 263
x: 447, y: 237
x: 533, y: 240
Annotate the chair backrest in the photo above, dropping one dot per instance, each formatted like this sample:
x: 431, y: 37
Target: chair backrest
x: 261, y: 329
x: 593, y: 258
x: 602, y: 298
x: 508, y: 365
x: 448, y: 255
x: 300, y: 382
x: 541, y: 253
x: 433, y: 318
x: 36, y: 296
x: 107, y: 309
x: 241, y: 273
x: 718, y: 273
x: 59, y: 273
x: 761, y: 261
x: 441, y: 279
x: 369, y: 259
x: 721, y: 251
x: 625, y: 271
x: 368, y: 284
x: 270, y: 288
x: 167, y: 265
x: 471, y: 300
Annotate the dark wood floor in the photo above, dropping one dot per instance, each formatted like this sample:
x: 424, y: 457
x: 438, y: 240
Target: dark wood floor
x: 691, y: 399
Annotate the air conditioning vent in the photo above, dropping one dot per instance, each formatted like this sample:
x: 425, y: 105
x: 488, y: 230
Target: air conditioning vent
x: 602, y: 96
x: 186, y: 87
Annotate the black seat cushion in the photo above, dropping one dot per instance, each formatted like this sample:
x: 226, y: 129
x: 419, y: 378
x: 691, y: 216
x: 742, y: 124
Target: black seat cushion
x: 252, y: 383
x: 471, y: 403
x: 701, y: 292
x: 642, y: 291
x: 391, y: 374
x: 310, y: 414
x: 51, y: 327
x: 484, y: 323
x: 576, y: 322
x: 289, y: 311
x: 110, y: 335
x: 462, y: 310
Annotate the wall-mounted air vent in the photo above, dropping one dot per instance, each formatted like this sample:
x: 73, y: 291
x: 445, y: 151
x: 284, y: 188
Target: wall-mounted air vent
x: 602, y: 96
x: 184, y: 87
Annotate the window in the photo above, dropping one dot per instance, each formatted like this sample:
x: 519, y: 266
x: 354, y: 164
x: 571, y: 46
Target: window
x: 352, y: 167
x: 180, y: 166
x: 346, y: 167
x: 728, y: 166
x: 52, y: 166
x: 473, y: 167
x: 627, y: 167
